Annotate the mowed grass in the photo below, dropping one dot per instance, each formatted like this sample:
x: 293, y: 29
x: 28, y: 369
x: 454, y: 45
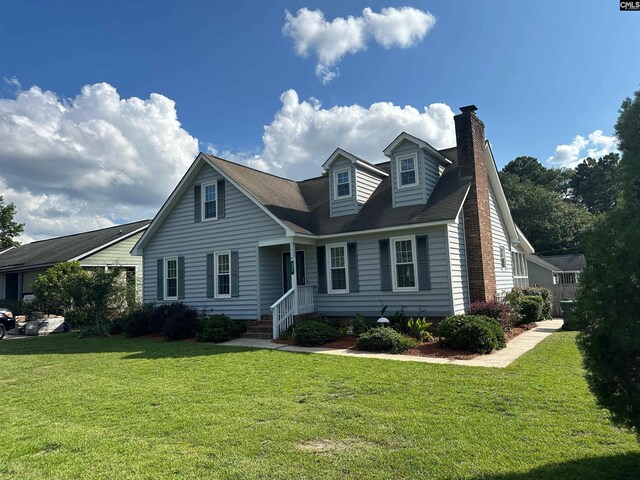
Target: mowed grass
x: 128, y: 408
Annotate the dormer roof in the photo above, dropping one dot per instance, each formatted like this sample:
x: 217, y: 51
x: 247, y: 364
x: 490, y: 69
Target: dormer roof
x: 339, y: 152
x: 438, y: 155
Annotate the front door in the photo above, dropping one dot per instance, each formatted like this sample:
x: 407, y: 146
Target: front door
x: 286, y: 272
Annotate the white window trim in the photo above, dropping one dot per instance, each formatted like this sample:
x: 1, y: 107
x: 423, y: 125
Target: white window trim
x: 415, y: 167
x: 216, y: 255
x: 393, y: 263
x: 346, y: 267
x: 166, y: 277
x: 502, y: 254
x: 202, y: 201
x: 335, y: 184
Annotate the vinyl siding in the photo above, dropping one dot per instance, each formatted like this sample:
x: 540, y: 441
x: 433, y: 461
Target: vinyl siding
x: 370, y: 299
x: 244, y: 225
x: 458, y: 258
x: 366, y: 183
x: 119, y: 254
x: 539, y: 275
x: 428, y: 172
x: 346, y: 205
x: 499, y: 235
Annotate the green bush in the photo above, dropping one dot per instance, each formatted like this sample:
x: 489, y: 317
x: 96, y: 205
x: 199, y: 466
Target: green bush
x: 419, y: 329
x: 180, y: 324
x: 137, y: 323
x: 313, y: 333
x: 518, y: 293
x: 531, y: 308
x: 359, y: 325
x: 218, y: 328
x: 94, y: 331
x: 385, y: 339
x: 475, y: 333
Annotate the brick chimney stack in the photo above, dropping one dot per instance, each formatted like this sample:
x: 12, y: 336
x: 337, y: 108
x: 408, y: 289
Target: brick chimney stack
x: 477, y: 214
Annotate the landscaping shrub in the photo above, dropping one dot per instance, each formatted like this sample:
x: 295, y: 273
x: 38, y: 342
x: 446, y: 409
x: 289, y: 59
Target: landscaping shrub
x: 359, y: 325
x: 137, y: 323
x: 385, y: 339
x: 475, y: 333
x: 419, y: 329
x: 180, y: 324
x: 547, y: 299
x: 501, y: 311
x: 313, y: 333
x: 218, y: 328
x: 531, y: 308
x: 94, y: 331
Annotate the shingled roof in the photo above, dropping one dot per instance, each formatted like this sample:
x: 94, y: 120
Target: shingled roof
x: 304, y: 206
x: 566, y: 263
x: 44, y: 253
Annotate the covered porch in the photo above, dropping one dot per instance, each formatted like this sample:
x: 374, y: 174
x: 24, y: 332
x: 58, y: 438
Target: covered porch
x: 288, y: 280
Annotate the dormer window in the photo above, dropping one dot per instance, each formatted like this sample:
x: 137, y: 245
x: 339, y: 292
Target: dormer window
x: 406, y: 166
x: 342, y: 182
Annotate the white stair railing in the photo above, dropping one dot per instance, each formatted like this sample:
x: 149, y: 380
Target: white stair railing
x: 292, y: 303
x: 283, y: 312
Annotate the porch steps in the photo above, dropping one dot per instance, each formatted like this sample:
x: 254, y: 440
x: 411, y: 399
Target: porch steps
x: 261, y: 329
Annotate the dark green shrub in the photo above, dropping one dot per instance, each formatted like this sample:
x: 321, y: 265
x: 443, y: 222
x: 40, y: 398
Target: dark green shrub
x: 180, y: 324
x: 475, y: 333
x: 359, y: 325
x: 160, y: 313
x: 531, y: 308
x: 137, y: 324
x: 218, y: 328
x: 313, y: 334
x: 94, y: 331
x: 385, y: 339
x: 547, y: 299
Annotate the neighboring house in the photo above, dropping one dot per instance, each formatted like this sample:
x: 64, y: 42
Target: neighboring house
x: 429, y: 231
x: 20, y: 266
x: 559, y: 273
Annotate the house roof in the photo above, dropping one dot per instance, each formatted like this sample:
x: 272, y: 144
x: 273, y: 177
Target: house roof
x: 44, y: 253
x: 339, y: 152
x: 566, y: 263
x: 544, y: 264
x: 438, y: 154
x: 304, y: 206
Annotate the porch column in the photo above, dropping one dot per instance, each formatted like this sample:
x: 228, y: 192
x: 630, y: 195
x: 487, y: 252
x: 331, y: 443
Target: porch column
x: 292, y: 271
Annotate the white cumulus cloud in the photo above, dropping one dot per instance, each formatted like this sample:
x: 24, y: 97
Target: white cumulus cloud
x: 302, y: 134
x: 90, y: 161
x: 595, y: 145
x: 329, y: 41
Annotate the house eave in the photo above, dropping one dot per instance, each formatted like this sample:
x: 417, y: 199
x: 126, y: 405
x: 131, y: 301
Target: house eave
x: 421, y: 143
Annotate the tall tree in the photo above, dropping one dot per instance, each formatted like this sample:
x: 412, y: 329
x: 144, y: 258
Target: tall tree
x: 609, y: 299
x: 529, y: 168
x: 553, y: 225
x: 596, y: 183
x: 8, y: 228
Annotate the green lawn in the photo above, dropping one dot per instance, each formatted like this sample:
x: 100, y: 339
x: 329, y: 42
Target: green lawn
x: 127, y: 408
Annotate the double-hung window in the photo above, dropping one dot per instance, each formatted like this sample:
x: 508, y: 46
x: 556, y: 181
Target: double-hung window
x: 171, y: 278
x: 209, y: 201
x: 342, y: 179
x: 407, y: 171
x: 337, y: 265
x: 404, y: 263
x: 223, y: 274
x: 503, y: 258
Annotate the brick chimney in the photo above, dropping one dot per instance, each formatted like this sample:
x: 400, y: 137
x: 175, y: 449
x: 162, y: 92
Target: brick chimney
x: 477, y: 214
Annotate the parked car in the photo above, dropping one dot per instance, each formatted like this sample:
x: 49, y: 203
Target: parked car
x: 7, y: 322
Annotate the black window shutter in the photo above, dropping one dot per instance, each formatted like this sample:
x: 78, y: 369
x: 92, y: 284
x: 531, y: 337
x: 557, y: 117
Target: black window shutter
x: 352, y: 255
x: 197, y: 205
x: 210, y: 291
x: 386, y: 284
x: 221, y: 198
x: 424, y: 275
x: 160, y: 283
x: 180, y: 277
x: 235, y: 274
x: 322, y: 269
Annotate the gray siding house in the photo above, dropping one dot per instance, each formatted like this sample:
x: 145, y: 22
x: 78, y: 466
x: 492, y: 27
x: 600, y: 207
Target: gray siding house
x: 428, y: 231
x: 20, y: 266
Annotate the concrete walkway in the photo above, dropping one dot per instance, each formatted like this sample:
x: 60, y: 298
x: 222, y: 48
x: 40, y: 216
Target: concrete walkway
x: 498, y: 359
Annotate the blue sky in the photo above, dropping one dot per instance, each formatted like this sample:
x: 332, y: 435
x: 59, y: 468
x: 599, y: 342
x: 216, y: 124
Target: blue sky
x: 541, y: 73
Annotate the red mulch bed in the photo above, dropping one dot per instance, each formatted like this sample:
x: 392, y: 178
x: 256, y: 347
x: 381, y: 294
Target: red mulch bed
x: 429, y: 349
